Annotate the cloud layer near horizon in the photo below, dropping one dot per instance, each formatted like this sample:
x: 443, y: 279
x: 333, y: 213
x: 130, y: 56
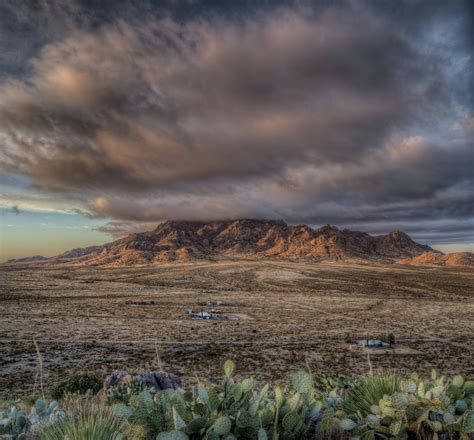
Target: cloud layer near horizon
x: 311, y: 117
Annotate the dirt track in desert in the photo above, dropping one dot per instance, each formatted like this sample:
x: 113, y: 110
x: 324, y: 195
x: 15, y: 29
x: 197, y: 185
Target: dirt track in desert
x: 276, y: 317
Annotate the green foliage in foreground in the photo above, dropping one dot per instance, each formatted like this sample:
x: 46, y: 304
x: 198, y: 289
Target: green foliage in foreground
x: 88, y: 421
x: 80, y: 383
x: 384, y: 406
x: 14, y: 421
x: 376, y: 407
x: 390, y: 406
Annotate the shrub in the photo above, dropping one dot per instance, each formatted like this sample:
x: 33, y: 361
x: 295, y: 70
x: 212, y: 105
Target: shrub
x: 389, y: 339
x: 348, y: 338
x: 80, y: 383
x: 86, y: 420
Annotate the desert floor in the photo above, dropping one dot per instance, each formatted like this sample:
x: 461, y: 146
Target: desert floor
x: 277, y: 317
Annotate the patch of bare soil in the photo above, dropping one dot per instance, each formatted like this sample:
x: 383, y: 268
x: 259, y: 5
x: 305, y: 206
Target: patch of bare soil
x: 238, y: 317
x: 276, y: 317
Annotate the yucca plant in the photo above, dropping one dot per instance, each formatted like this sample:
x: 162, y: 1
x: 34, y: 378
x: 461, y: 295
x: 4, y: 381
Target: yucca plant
x: 368, y: 391
x: 86, y: 420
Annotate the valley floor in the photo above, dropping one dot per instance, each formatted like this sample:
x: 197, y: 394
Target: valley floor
x: 275, y: 318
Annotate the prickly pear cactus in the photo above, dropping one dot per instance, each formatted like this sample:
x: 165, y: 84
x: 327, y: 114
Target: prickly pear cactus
x: 229, y: 368
x: 395, y: 427
x: 409, y: 386
x: 461, y: 406
x: 302, y: 382
x: 448, y: 418
x: 222, y: 425
x: 399, y: 400
x: 14, y: 422
x: 347, y: 424
x: 468, y: 423
x: 373, y: 421
x: 121, y: 410
x: 388, y: 407
x: 458, y: 381
x: 469, y: 387
x: 375, y: 409
x: 290, y: 421
x: 172, y: 435
x: 246, y: 420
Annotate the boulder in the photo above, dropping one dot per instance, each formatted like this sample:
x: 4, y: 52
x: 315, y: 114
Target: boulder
x: 159, y: 380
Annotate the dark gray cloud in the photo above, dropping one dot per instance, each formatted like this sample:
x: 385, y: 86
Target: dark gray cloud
x: 317, y: 114
x: 120, y: 229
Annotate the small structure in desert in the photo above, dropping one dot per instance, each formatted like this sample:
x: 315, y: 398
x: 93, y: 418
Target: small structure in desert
x: 374, y: 343
x: 183, y: 279
x: 209, y: 291
x: 211, y: 315
x: 213, y: 303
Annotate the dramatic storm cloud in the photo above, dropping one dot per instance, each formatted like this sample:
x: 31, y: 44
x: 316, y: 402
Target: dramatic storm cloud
x: 358, y: 116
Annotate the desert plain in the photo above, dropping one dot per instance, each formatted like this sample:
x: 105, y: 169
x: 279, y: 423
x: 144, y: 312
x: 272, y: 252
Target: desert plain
x: 276, y: 317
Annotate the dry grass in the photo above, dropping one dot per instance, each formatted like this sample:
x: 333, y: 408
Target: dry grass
x: 281, y: 317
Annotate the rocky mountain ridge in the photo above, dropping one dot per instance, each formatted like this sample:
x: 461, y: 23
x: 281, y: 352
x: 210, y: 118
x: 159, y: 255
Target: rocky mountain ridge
x: 437, y: 259
x: 247, y: 238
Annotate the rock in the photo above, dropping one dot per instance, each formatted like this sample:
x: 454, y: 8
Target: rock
x: 168, y: 381
x: 115, y: 378
x: 149, y: 379
x: 159, y: 380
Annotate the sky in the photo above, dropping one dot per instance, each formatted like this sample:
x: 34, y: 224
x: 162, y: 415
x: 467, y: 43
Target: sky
x: 116, y: 115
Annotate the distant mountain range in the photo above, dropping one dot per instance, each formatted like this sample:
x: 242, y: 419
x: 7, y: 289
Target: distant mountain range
x: 250, y: 239
x: 438, y: 259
